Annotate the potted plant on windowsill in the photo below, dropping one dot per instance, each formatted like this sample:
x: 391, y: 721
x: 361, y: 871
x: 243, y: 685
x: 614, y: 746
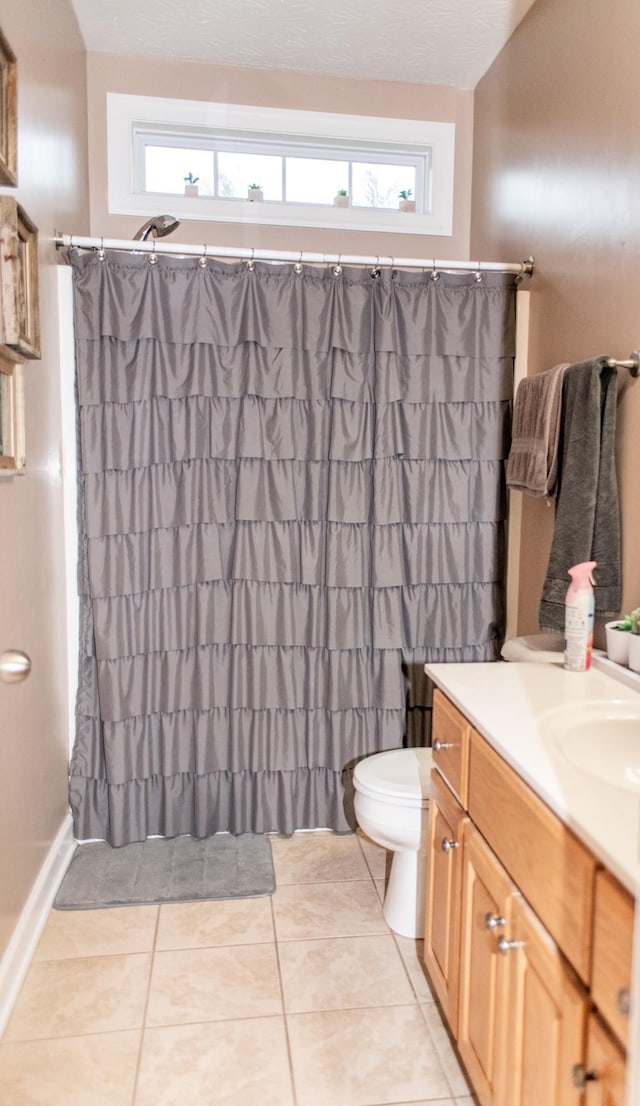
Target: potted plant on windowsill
x: 623, y: 640
x: 341, y: 198
x: 254, y: 193
x: 406, y: 203
x: 191, y: 185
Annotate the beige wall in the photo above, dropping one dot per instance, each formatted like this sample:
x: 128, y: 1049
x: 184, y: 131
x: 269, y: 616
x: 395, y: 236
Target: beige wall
x: 556, y: 172
x: 191, y: 81
x: 52, y: 187
x: 556, y: 166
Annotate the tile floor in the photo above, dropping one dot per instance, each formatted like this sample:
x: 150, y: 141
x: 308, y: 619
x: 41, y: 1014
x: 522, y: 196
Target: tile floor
x: 302, y: 999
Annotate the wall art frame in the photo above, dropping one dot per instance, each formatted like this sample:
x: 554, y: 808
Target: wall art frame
x: 12, y: 429
x: 19, y: 298
x: 8, y: 114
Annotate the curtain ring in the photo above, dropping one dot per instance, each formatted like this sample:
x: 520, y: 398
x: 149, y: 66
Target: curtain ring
x: 297, y: 268
x: 392, y: 269
x: 435, y: 275
x: 251, y: 263
x: 478, y: 276
x: 337, y: 269
x: 203, y: 261
x: 375, y: 272
x: 152, y: 258
x: 101, y: 253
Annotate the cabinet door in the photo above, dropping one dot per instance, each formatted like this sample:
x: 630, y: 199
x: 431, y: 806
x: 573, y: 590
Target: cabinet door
x: 482, y: 1016
x: 547, y: 1017
x: 606, y: 1068
x: 444, y: 889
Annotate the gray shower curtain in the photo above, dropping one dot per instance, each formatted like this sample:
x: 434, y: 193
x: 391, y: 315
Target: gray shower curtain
x: 291, y: 488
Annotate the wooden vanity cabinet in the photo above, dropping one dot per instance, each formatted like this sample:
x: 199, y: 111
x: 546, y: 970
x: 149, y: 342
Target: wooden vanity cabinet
x: 444, y: 887
x: 536, y: 917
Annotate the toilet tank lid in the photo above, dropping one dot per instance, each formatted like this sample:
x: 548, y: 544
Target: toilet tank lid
x: 399, y: 773
x: 541, y: 648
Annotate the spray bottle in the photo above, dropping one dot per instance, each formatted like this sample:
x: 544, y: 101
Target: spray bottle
x: 578, y: 618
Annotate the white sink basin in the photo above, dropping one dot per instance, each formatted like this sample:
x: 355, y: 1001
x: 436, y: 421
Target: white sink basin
x: 600, y: 738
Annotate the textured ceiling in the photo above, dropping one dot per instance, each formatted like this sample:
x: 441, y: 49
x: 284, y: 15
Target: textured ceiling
x: 450, y: 42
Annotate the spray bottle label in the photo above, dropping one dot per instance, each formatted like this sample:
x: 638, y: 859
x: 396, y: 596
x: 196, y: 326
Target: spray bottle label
x: 578, y: 618
x: 578, y: 639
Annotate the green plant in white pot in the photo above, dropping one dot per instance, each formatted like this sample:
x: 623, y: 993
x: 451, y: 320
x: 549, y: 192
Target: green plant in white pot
x: 405, y: 201
x: 634, y: 641
x: 191, y: 185
x: 620, y: 635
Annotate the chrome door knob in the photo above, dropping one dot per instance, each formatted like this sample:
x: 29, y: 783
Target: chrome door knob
x: 580, y: 1076
x: 505, y: 946
x: 493, y: 921
x: 14, y: 666
x: 438, y: 746
x: 447, y: 845
x: 622, y: 1001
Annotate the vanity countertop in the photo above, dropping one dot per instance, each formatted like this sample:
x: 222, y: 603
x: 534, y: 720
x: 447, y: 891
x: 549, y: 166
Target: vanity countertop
x: 505, y: 703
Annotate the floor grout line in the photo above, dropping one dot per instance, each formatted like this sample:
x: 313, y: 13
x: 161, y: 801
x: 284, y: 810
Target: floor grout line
x: 146, y: 1008
x: 285, y: 1019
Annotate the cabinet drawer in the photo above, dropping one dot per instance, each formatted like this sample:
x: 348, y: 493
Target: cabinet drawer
x: 612, y: 949
x: 451, y: 744
x: 553, y: 870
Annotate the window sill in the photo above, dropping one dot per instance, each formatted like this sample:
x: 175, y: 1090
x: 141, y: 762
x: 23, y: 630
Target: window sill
x: 208, y: 209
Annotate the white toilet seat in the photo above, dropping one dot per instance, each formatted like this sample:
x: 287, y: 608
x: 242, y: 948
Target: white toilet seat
x: 396, y: 775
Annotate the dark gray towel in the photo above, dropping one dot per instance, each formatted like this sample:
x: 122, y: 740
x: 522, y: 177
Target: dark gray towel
x: 587, y: 526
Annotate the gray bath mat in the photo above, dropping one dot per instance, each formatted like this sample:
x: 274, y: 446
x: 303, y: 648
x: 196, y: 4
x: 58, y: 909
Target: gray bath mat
x: 178, y: 869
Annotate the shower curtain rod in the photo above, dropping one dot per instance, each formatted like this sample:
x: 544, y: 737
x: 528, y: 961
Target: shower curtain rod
x: 154, y: 245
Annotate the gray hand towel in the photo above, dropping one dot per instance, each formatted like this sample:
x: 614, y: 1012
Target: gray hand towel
x: 587, y: 525
x: 532, y: 466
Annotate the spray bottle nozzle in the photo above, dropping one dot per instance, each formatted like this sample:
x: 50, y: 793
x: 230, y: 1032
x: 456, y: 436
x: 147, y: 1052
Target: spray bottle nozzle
x: 583, y: 573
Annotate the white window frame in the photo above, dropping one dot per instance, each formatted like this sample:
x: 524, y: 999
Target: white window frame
x: 128, y: 116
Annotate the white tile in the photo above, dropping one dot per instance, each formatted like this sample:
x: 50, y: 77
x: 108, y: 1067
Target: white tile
x: 360, y: 1057
x: 452, y: 1066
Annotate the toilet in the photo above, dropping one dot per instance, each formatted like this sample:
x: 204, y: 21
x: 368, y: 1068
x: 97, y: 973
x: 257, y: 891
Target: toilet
x: 391, y: 803
x: 537, y: 648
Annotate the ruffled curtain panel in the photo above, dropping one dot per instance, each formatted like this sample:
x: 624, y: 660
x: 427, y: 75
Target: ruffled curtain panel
x: 291, y: 489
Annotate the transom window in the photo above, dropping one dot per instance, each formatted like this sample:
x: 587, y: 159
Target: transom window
x: 287, y: 172
x: 302, y: 162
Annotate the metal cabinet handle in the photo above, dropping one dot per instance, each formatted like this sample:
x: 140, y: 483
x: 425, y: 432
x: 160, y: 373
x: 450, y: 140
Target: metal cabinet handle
x: 505, y: 946
x: 622, y: 1000
x: 493, y: 921
x: 14, y: 666
x: 580, y: 1076
x: 438, y: 746
x: 447, y: 845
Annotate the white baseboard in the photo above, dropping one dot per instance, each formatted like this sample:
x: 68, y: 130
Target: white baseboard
x: 17, y: 957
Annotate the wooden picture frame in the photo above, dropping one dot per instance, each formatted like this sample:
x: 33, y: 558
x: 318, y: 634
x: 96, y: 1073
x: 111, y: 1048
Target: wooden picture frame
x: 19, y: 301
x: 8, y: 114
x: 12, y: 432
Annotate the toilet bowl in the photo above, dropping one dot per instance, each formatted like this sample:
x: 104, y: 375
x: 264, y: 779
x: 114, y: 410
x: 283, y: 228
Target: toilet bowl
x: 391, y: 802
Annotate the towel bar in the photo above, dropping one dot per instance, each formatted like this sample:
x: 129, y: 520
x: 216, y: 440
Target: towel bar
x: 633, y: 364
